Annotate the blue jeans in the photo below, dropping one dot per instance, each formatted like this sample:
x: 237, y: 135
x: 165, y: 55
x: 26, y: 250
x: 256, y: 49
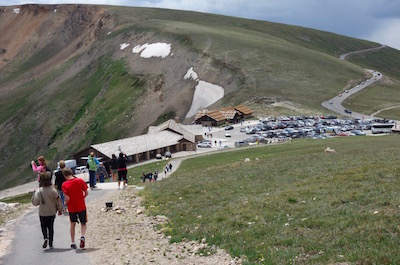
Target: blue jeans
x: 101, y: 178
x: 62, y: 198
x: 92, y: 178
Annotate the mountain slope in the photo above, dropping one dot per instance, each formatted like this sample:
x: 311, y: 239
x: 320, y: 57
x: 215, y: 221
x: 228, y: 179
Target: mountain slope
x: 65, y: 83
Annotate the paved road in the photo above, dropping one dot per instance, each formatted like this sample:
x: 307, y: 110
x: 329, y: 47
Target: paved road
x: 343, y: 56
x: 335, y: 104
x: 26, y: 247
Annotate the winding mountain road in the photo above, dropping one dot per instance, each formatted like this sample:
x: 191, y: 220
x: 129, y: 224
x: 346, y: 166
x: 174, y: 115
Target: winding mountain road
x: 335, y: 104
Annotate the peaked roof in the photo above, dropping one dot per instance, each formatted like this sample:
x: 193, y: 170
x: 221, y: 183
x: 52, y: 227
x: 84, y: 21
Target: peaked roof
x: 223, y: 114
x: 243, y: 109
x: 139, y: 144
x: 229, y: 113
x: 175, y: 127
x: 167, y: 134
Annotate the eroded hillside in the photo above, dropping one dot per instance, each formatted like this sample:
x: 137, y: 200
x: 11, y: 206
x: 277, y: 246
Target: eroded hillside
x: 66, y: 82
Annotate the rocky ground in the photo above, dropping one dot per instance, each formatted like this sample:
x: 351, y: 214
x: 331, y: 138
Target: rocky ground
x: 126, y: 235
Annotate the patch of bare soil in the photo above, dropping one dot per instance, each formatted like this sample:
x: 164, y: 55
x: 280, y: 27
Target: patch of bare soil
x: 126, y: 235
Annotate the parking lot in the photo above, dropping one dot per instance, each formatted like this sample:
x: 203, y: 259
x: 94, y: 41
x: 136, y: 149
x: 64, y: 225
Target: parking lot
x: 273, y: 130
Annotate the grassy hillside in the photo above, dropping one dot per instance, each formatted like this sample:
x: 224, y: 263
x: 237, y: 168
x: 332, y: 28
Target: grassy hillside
x: 65, y: 83
x: 294, y: 204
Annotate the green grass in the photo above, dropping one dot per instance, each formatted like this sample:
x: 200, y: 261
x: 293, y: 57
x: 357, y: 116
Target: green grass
x: 385, y: 93
x: 292, y: 204
x: 103, y: 109
x: 376, y: 98
x: 23, y: 198
x: 253, y: 58
x: 259, y: 60
x: 384, y: 60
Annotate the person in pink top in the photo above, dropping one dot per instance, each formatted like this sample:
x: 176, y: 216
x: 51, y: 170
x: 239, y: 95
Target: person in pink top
x: 41, y: 168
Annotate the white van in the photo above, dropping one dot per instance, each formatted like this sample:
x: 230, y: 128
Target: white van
x: 71, y: 163
x: 81, y: 169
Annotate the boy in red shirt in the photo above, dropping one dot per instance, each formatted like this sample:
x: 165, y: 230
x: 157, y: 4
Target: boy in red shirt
x: 75, y: 191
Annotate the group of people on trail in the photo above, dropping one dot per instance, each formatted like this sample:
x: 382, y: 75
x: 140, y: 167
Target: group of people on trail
x: 67, y: 195
x: 168, y: 168
x: 149, y: 176
x: 118, y: 169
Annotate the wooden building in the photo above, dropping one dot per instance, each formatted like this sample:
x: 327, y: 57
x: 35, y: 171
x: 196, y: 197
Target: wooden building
x: 223, y: 116
x: 169, y: 136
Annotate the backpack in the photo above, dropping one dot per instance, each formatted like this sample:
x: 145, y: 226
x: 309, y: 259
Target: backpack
x: 91, y: 163
x: 49, y: 170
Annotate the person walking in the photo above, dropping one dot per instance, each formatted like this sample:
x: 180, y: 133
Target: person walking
x: 122, y: 170
x: 92, y: 164
x: 114, y: 167
x: 75, y: 190
x: 49, y: 202
x: 155, y: 176
x: 58, y: 183
x: 102, y: 173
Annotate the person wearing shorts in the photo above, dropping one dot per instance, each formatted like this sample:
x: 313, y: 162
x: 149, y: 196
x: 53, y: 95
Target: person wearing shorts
x: 122, y: 170
x: 114, y: 167
x: 75, y: 191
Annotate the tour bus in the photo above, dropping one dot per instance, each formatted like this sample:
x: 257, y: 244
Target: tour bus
x: 381, y: 128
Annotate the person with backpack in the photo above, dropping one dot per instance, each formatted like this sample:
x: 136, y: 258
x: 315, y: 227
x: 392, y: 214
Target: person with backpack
x: 92, y: 165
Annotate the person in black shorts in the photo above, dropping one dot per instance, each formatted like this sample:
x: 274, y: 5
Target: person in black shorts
x: 122, y: 170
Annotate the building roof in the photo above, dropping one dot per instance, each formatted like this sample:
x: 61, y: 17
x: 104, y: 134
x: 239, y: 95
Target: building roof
x: 166, y: 134
x: 229, y: 113
x: 139, y: 144
x: 215, y: 115
x: 175, y: 127
x: 224, y: 114
x: 244, y: 109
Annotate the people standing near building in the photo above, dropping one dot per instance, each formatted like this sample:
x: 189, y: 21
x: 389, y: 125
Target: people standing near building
x: 92, y: 164
x: 114, y: 167
x: 58, y: 183
x: 75, y: 190
x: 49, y: 203
x: 102, y: 173
x: 122, y: 170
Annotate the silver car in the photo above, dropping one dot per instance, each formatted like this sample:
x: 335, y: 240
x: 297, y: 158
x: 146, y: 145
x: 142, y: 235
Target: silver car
x: 204, y: 145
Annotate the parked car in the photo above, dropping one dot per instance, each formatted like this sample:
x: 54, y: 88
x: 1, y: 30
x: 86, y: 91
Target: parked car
x: 244, y: 129
x: 168, y: 154
x: 241, y: 143
x: 81, y: 169
x: 358, y: 132
x: 158, y: 156
x: 228, y: 134
x: 204, y: 145
x: 227, y: 128
x: 347, y: 111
